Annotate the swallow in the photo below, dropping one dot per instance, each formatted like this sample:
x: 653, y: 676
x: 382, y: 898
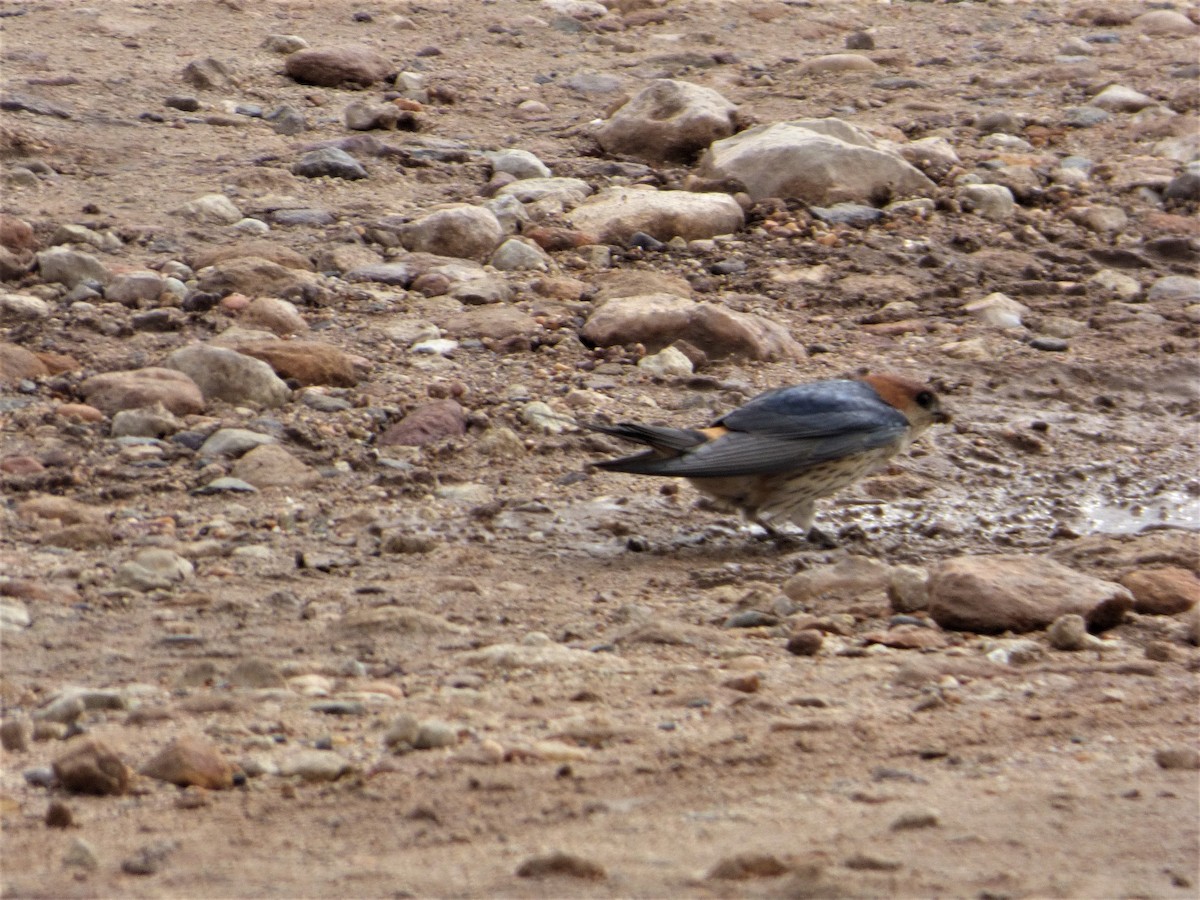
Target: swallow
x: 772, y: 458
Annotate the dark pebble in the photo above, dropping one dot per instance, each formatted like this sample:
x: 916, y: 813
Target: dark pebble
x: 899, y: 83
x: 200, y: 301
x: 728, y: 267
x: 1184, y: 187
x: 805, y: 643
x: 642, y: 241
x: 1052, y: 344
x: 58, y: 815
x: 340, y: 708
x: 860, y: 40
x: 183, y: 102
x: 750, y: 618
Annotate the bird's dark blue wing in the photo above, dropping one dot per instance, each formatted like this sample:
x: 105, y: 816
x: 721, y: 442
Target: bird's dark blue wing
x: 789, y: 429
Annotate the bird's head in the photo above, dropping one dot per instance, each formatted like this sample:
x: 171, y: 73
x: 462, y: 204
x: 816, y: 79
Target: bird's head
x: 917, y: 401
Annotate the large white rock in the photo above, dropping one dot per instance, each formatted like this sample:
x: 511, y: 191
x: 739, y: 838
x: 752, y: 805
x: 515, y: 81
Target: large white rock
x: 819, y: 161
x: 614, y: 215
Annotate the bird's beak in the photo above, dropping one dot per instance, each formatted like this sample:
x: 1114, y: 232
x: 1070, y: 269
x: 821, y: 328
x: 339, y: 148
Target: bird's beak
x: 941, y: 417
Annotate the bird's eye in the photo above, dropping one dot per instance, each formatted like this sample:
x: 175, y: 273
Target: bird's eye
x: 924, y: 399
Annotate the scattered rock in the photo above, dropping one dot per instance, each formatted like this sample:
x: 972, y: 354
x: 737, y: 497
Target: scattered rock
x: 819, y: 161
x: 1186, y: 758
x: 308, y: 362
x: 152, y: 386
x: 223, y: 374
x: 992, y: 201
x: 847, y: 579
x: 272, y: 466
x: 315, y: 765
x: 71, y: 267
x: 744, y: 866
x: 616, y: 214
x: 233, y: 442
x: 659, y: 320
x: 991, y: 594
x: 668, y: 121
x: 432, y: 422
x: 351, y: 64
x: 18, y: 364
x: 329, y: 162
x: 89, y: 766
x: 1162, y: 592
x: 916, y: 818
x: 211, y: 209
x: 806, y: 642
x: 457, y: 230
x: 560, y: 863
x: 190, y: 760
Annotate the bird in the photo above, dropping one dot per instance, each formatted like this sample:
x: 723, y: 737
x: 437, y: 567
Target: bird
x: 773, y: 457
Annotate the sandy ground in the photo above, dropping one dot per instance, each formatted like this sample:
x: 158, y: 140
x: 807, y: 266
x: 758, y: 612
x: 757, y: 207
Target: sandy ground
x: 678, y: 743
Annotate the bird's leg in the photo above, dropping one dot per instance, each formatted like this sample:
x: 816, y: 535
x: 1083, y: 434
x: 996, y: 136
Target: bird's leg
x: 773, y: 534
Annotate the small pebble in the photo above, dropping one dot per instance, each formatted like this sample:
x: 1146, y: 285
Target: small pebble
x: 1177, y: 758
x: 919, y: 818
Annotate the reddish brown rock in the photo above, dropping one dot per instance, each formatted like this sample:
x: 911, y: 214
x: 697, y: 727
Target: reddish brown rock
x: 552, y: 239
x: 1162, y: 592
x: 308, y: 362
x: 89, y: 766
x: 431, y: 422
x: 20, y: 465
x: 17, y: 363
x: 114, y: 391
x: 991, y: 594
x: 78, y: 412
x: 57, y: 363
x: 16, y: 234
x: 191, y: 760
x: 334, y: 66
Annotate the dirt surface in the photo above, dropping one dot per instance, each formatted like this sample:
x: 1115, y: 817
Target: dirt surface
x: 571, y: 630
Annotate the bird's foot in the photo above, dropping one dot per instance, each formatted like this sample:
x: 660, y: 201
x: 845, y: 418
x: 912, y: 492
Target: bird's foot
x: 821, y: 539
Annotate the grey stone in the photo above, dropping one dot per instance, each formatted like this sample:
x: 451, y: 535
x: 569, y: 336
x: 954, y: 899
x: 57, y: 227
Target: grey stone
x: 233, y: 442
x: 223, y: 374
x: 330, y: 162
x: 70, y: 267
x: 992, y: 201
x: 821, y: 161
x: 518, y: 163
